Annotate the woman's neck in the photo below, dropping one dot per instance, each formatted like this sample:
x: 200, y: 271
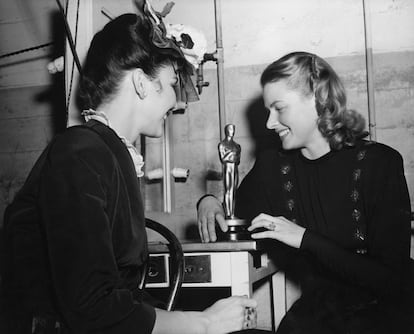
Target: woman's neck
x: 120, y: 115
x: 316, y: 149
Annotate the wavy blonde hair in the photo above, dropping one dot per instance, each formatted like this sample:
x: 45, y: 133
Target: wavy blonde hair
x: 311, y: 75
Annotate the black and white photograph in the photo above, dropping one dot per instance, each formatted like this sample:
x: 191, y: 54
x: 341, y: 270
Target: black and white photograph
x: 206, y: 166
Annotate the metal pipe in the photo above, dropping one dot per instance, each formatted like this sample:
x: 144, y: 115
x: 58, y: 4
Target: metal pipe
x: 166, y: 167
x: 370, y: 71
x: 143, y: 151
x: 167, y: 183
x: 220, y: 68
x: 69, y: 37
x: 176, y: 172
x: 107, y: 13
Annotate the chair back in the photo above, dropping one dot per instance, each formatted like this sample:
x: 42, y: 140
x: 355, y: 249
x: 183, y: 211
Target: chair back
x: 177, y: 261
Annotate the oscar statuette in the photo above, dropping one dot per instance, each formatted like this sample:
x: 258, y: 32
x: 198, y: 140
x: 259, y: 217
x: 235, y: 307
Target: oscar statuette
x: 229, y: 152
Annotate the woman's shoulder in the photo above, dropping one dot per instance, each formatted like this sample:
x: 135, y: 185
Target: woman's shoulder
x: 78, y: 142
x: 376, y: 157
x: 377, y: 151
x: 78, y: 137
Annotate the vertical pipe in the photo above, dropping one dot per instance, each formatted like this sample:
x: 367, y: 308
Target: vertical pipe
x: 143, y: 147
x: 166, y: 167
x: 85, y: 34
x: 370, y: 71
x: 220, y: 68
x: 167, y: 183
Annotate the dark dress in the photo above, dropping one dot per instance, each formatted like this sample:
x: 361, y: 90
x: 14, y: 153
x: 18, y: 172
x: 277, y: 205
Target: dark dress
x: 353, y: 265
x: 76, y: 237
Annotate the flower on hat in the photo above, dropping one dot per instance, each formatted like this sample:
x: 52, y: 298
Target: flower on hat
x: 178, y: 42
x: 191, y: 41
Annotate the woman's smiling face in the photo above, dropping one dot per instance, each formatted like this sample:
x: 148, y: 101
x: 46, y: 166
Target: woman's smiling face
x: 292, y: 115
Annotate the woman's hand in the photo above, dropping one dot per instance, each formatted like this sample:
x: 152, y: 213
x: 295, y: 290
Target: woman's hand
x: 209, y: 212
x: 224, y: 316
x: 278, y: 228
x: 228, y: 315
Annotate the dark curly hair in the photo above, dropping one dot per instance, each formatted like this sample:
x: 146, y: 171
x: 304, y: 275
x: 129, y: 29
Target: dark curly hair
x: 310, y: 74
x: 123, y: 44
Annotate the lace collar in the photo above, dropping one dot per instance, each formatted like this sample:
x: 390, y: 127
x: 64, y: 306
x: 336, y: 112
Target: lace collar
x: 100, y: 116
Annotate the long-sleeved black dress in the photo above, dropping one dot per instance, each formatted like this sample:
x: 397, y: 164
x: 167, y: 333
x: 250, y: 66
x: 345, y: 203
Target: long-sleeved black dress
x: 76, y: 236
x: 355, y: 253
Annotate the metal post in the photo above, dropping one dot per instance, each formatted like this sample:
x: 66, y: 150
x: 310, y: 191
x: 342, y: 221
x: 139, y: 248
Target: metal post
x: 220, y: 68
x: 370, y: 71
x: 85, y: 34
x: 166, y: 167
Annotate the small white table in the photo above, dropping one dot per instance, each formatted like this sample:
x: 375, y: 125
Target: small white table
x: 234, y: 264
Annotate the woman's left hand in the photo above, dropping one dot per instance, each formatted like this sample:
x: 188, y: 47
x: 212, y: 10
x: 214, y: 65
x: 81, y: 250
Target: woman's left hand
x: 278, y: 228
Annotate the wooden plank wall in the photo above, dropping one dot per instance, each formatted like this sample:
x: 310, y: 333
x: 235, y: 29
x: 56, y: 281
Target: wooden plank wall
x: 28, y: 120
x: 31, y: 99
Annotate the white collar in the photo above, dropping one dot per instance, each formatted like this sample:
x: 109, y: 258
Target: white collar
x: 100, y: 116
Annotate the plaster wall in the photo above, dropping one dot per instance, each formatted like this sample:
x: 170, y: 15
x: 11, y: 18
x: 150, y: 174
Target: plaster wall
x: 254, y: 34
x: 31, y: 107
x: 25, y: 24
x: 257, y: 33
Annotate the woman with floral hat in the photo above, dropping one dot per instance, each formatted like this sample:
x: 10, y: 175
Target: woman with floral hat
x: 75, y: 233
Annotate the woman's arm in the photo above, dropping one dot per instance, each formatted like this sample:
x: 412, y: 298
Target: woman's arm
x: 387, y: 207
x: 83, y: 264
x: 78, y: 232
x: 252, y: 195
x: 225, y: 316
x: 250, y: 201
x: 384, y: 267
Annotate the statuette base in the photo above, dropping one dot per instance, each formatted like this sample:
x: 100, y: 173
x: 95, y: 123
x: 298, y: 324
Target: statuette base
x: 237, y: 230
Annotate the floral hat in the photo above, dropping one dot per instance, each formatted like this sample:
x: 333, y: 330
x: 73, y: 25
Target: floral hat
x: 175, y: 42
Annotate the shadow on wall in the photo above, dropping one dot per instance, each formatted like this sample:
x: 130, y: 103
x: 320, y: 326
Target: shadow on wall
x: 51, y: 98
x: 3, y: 305
x: 256, y: 115
x: 55, y: 94
x: 262, y: 138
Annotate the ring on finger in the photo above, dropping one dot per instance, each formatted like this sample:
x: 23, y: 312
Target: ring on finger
x: 271, y: 226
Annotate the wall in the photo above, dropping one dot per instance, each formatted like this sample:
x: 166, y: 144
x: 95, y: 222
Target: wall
x: 32, y: 100
x: 32, y: 105
x: 254, y: 34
